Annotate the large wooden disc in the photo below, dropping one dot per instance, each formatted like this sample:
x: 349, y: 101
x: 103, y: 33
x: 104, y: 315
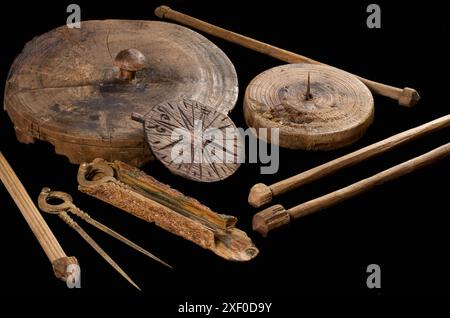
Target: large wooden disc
x: 61, y: 88
x: 337, y: 113
x: 193, y: 140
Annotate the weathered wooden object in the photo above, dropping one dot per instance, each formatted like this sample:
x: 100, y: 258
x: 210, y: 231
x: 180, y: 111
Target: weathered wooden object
x: 276, y: 216
x: 315, y: 107
x: 192, y: 140
x: 405, y: 97
x: 141, y: 195
x: 60, y: 261
x: 67, y: 207
x: 261, y: 194
x: 76, y: 88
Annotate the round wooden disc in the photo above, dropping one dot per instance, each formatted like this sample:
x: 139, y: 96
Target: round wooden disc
x: 337, y: 113
x: 193, y: 140
x: 61, y: 87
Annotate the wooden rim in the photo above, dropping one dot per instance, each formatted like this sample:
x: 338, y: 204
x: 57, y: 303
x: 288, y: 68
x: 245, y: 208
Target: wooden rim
x: 193, y: 140
x: 61, y: 87
x: 338, y: 113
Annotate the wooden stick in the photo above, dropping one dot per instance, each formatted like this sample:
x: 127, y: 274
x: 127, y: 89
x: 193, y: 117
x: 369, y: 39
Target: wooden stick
x: 276, y: 216
x: 405, y: 97
x: 261, y: 194
x: 60, y: 261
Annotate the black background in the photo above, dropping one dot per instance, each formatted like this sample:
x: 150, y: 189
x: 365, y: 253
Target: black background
x: 402, y: 226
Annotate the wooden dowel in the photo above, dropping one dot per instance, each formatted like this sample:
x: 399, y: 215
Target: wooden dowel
x: 33, y: 217
x: 277, y: 216
x: 405, y: 97
x: 261, y: 194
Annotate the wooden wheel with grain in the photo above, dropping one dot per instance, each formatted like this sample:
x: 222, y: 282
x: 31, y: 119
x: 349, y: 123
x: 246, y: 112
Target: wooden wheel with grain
x: 315, y: 107
x: 77, y: 88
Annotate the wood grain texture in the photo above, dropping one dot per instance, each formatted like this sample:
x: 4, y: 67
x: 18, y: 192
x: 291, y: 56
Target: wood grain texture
x: 406, y: 97
x: 338, y: 112
x: 35, y: 221
x: 276, y: 216
x: 62, y: 88
x: 261, y: 194
x: 141, y: 195
x: 193, y: 140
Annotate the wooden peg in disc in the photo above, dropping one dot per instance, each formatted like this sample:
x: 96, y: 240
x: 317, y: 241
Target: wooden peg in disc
x: 192, y: 140
x: 315, y: 107
x: 76, y: 88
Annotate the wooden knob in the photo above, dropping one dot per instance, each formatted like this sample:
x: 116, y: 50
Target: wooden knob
x: 259, y: 195
x: 61, y: 266
x: 128, y: 62
x: 270, y: 218
x: 161, y: 11
x: 408, y: 97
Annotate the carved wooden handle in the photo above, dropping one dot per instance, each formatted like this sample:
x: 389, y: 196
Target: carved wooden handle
x: 405, y: 97
x: 276, y: 216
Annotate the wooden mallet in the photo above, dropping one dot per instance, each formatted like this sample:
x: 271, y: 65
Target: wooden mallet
x: 276, y: 216
x: 261, y: 194
x: 405, y: 97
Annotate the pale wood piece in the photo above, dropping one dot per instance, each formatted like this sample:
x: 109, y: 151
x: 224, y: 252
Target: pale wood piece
x: 192, y: 140
x: 334, y: 111
x: 72, y: 88
x: 405, y: 97
x: 261, y: 194
x: 141, y: 195
x: 276, y: 216
x: 56, y: 255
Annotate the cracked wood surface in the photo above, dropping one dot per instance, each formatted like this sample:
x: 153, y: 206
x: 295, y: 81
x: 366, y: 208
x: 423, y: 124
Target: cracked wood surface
x: 61, y: 88
x: 334, y: 112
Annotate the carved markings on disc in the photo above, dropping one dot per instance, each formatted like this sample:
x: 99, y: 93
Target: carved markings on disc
x: 193, y: 140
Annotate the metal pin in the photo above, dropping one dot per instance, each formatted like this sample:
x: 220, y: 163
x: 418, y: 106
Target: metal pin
x: 308, y: 95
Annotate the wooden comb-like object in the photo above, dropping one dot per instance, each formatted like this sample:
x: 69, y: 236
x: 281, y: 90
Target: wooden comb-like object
x: 141, y: 195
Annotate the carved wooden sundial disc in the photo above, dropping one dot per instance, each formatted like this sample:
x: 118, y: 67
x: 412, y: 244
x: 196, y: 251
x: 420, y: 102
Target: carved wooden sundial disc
x: 77, y: 88
x: 193, y: 140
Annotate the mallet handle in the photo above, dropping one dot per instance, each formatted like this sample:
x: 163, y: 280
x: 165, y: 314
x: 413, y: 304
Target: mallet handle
x: 277, y: 216
x: 261, y: 194
x: 405, y: 97
x: 364, y: 185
